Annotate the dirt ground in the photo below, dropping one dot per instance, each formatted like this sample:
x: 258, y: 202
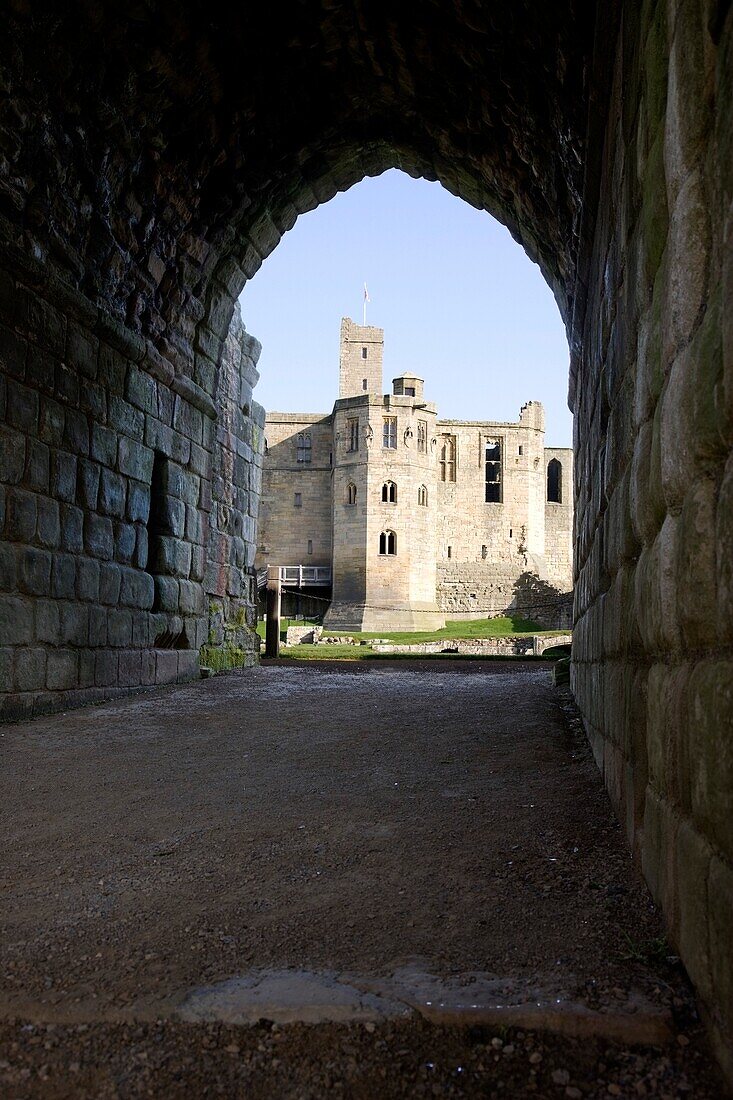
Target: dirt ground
x: 349, y: 819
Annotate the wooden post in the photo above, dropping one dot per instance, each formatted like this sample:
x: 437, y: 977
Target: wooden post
x: 272, y: 629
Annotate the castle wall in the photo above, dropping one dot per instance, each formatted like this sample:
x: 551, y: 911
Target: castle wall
x: 285, y: 529
x: 559, y: 522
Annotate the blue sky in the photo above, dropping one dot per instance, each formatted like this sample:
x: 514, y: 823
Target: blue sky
x: 460, y: 303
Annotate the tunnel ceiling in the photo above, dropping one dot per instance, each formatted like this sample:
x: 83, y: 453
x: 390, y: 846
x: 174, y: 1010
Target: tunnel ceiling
x: 146, y: 145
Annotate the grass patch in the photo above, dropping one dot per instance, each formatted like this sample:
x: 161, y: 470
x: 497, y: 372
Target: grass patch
x: 507, y: 626
x: 365, y: 653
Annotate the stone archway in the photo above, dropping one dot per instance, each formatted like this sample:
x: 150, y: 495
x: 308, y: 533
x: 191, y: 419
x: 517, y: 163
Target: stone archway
x: 155, y: 155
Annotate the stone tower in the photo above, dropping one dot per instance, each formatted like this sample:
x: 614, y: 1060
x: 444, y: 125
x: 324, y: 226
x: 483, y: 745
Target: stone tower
x: 384, y: 495
x: 360, y: 359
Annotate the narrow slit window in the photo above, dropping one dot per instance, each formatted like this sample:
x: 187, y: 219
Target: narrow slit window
x: 298, y: 502
x: 364, y: 384
x: 352, y: 426
x: 422, y: 496
x: 310, y: 546
x: 351, y: 493
x: 422, y: 436
x: 364, y: 353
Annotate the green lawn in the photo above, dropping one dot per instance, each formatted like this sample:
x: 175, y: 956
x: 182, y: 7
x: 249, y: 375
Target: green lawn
x: 504, y: 627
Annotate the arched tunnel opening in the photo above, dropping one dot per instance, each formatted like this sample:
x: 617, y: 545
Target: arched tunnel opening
x: 155, y: 155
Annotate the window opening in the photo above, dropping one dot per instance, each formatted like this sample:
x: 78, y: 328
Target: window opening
x: 450, y: 551
x: 353, y: 433
x: 363, y: 353
x: 484, y: 552
x: 422, y: 496
x: 298, y: 500
x: 304, y: 447
x: 448, y: 458
x: 520, y: 450
x: 409, y: 391
x: 351, y: 493
x: 422, y: 436
x: 389, y: 432
x: 389, y: 493
x: 554, y: 481
x: 310, y: 546
x: 493, y: 472
x: 388, y: 543
x: 364, y: 384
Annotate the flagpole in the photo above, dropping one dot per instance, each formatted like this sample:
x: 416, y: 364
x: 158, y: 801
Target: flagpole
x: 366, y: 299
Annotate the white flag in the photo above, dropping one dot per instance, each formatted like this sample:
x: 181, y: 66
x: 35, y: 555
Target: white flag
x: 366, y: 294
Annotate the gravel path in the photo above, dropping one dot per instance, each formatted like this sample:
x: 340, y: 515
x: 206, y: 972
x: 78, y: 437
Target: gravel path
x: 343, y: 820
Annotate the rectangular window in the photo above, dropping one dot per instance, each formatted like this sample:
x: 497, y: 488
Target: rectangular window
x: 447, y: 458
x: 364, y: 384
x: 450, y: 551
x: 310, y: 546
x: 521, y: 449
x: 363, y: 353
x: 422, y: 436
x: 493, y: 472
x: 389, y: 432
x: 409, y: 391
x: 304, y: 447
x: 352, y: 433
x: 298, y: 500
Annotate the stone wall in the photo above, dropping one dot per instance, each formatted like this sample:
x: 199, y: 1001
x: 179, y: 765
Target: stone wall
x: 230, y: 581
x: 653, y: 402
x: 471, y: 590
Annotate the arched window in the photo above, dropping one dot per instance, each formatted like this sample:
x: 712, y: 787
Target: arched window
x: 389, y: 493
x: 554, y: 481
x: 304, y: 447
x: 388, y: 542
x: 447, y: 459
x: 422, y: 496
x: 351, y: 493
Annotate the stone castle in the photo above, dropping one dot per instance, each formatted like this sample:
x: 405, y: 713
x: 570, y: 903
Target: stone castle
x: 417, y: 518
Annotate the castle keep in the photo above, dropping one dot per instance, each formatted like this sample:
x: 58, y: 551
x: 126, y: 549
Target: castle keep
x: 418, y: 518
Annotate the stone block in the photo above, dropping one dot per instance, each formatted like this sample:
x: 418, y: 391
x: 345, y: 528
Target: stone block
x: 119, y: 627
x: 112, y: 490
x: 98, y: 536
x: 41, y: 370
x: 127, y: 420
x: 72, y: 528
x: 147, y: 667
x: 166, y: 666
x: 23, y: 408
x: 74, y: 624
x: 66, y: 385
x: 130, y: 668
x: 34, y: 571
x: 7, y: 655
x: 109, y: 583
x: 720, y: 907
x: 20, y: 516
x: 166, y: 594
x: 47, y: 621
x: 141, y: 390
x: 62, y: 669
x: 106, y: 668
x: 8, y: 571
x: 194, y: 525
x: 104, y: 445
x: 87, y: 579
x: 696, y: 571
x: 87, y: 484
x: 47, y: 324
x: 134, y: 459
x: 724, y: 558
x: 140, y: 556
x: 172, y: 556
x: 140, y: 629
x: 30, y: 669
x: 64, y: 476
x: 188, y: 665
x: 53, y: 421
x: 37, y: 468
x: 13, y: 353
x: 48, y: 525
x: 711, y: 750
x: 693, y: 866
x: 82, y: 351
x: 76, y: 432
x: 97, y: 625
x: 63, y: 577
x: 125, y: 541
x: 138, y: 502
x: 137, y: 588
x: 87, y: 666
x: 12, y: 456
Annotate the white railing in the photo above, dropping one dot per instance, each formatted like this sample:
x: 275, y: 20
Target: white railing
x: 298, y: 576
